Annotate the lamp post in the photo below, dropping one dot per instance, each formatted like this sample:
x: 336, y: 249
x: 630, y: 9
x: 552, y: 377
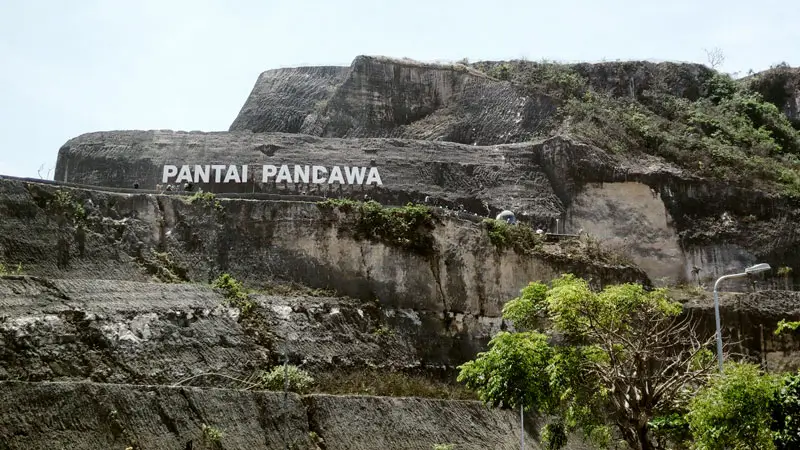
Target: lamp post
x: 752, y: 270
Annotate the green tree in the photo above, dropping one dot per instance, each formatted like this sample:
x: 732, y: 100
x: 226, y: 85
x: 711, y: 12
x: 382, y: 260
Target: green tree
x: 601, y: 361
x: 734, y: 411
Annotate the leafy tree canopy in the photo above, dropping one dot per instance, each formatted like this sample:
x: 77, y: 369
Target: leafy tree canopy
x: 733, y: 410
x: 598, y: 361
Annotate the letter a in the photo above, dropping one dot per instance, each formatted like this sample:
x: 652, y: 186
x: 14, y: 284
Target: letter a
x: 374, y: 176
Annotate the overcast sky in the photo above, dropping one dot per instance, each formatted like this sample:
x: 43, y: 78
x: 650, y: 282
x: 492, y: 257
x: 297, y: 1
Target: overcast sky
x: 70, y: 67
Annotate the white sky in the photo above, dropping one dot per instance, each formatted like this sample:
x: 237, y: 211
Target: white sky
x: 70, y: 67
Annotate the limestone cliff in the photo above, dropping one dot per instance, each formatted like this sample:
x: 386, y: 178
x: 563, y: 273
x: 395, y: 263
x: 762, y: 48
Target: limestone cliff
x: 446, y: 301
x: 669, y: 221
x: 89, y: 416
x: 673, y: 168
x: 383, y: 97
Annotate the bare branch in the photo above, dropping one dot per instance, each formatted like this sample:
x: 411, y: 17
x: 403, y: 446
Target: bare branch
x: 715, y: 57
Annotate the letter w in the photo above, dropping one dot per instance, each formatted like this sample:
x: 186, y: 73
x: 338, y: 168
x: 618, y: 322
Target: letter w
x: 354, y: 176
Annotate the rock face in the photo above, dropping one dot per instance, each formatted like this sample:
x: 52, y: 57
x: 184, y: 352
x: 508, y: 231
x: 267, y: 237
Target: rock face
x: 90, y: 416
x: 446, y: 303
x: 382, y: 97
x: 749, y: 322
x: 155, y: 333
x: 117, y: 278
x: 669, y: 222
x: 780, y: 86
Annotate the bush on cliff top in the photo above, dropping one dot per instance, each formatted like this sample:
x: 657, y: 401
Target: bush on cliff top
x: 729, y: 133
x: 408, y: 227
x: 521, y: 238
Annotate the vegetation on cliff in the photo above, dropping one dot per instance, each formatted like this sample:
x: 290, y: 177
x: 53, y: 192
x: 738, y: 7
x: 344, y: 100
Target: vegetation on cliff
x: 7, y: 270
x: 64, y: 204
x: 408, y: 227
x: 520, y: 238
x: 725, y: 129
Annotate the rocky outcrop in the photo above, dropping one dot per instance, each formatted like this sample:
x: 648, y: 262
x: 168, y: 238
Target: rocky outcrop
x: 446, y: 303
x: 668, y: 221
x: 76, y: 233
x: 413, y: 423
x: 161, y: 333
x: 90, y: 416
x: 748, y: 325
x: 383, y: 97
x: 623, y: 78
x: 43, y: 416
x: 780, y: 86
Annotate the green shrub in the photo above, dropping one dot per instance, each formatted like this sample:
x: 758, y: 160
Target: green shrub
x: 212, y: 435
x: 64, y: 203
x: 730, y: 132
x: 206, y: 198
x: 734, y: 410
x: 408, y: 227
x: 235, y: 293
x: 4, y: 270
x: 730, y: 135
x: 300, y: 381
x: 786, y: 413
x: 521, y: 238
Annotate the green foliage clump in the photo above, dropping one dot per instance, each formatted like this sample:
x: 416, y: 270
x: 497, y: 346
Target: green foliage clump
x: 784, y: 325
x: 164, y: 268
x: 234, y: 292
x: 622, y: 358
x: 559, y: 80
x: 554, y: 435
x: 730, y: 133
x: 733, y: 411
x: 300, y: 381
x: 389, y: 383
x: 521, y: 238
x: 206, y: 198
x: 64, y: 203
x: 408, y: 227
x: 670, y: 428
x: 212, y: 435
x: 4, y: 270
x: 785, y: 411
x: 514, y: 371
x: 444, y: 447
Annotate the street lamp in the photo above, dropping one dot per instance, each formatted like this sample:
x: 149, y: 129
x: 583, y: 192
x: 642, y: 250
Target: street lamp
x: 752, y: 270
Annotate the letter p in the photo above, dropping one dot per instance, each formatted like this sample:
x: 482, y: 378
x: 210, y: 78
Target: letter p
x: 269, y: 171
x: 169, y: 171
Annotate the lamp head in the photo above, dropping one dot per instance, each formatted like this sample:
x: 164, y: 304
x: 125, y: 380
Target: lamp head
x: 758, y: 268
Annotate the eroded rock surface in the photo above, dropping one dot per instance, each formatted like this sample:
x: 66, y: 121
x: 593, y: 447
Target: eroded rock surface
x: 91, y: 416
x: 383, y: 97
x: 705, y: 224
x: 160, y: 333
x: 749, y: 321
x: 138, y: 237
